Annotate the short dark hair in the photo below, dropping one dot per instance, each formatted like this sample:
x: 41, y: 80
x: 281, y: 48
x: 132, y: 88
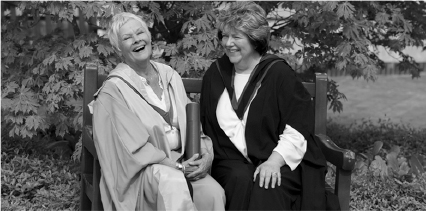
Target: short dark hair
x: 248, y: 18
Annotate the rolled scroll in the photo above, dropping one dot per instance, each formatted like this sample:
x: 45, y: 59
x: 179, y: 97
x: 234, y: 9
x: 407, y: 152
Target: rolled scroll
x: 192, y: 145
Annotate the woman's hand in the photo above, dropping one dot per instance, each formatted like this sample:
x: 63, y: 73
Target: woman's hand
x: 199, y: 169
x: 269, y: 171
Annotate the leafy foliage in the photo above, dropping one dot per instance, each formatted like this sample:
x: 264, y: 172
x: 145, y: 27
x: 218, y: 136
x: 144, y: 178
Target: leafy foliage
x: 341, y: 35
x: 42, y: 73
x: 34, y: 180
x: 390, y: 169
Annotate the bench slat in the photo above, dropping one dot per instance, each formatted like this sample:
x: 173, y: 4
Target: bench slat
x: 87, y: 141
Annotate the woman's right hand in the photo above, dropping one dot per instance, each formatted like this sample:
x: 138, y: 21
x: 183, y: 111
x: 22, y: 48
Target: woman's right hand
x: 188, y: 168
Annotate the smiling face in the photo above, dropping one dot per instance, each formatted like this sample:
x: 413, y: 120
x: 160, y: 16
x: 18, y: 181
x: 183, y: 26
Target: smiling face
x: 238, y: 48
x: 134, y: 42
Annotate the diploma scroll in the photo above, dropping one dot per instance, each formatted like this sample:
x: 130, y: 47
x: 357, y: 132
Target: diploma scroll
x: 192, y: 145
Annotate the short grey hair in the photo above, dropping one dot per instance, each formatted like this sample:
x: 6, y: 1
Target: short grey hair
x: 117, y: 22
x: 248, y: 18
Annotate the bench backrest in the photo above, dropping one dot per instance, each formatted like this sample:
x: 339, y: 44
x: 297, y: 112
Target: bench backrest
x: 316, y: 89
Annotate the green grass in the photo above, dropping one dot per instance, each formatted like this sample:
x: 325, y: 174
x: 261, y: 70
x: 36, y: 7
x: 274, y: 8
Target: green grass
x: 396, y: 97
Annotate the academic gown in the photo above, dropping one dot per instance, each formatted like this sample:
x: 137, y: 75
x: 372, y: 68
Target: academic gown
x: 280, y: 100
x: 130, y: 141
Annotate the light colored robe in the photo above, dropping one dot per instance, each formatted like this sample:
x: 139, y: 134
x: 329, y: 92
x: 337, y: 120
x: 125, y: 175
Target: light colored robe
x: 130, y: 142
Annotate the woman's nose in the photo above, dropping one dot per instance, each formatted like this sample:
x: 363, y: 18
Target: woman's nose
x: 229, y: 41
x: 136, y: 38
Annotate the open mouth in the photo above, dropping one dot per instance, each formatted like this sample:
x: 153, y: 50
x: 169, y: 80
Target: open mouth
x: 138, y: 49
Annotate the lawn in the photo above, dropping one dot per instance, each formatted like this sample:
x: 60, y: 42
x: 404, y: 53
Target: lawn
x: 398, y: 97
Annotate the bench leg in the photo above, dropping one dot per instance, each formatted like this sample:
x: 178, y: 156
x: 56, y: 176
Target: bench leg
x: 97, y: 202
x: 85, y: 202
x: 342, y: 188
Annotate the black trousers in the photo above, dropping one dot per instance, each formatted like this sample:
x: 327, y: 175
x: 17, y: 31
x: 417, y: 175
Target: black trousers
x: 242, y: 193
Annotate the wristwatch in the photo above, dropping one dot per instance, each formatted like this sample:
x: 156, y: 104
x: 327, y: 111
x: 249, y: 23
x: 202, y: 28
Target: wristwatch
x: 178, y: 166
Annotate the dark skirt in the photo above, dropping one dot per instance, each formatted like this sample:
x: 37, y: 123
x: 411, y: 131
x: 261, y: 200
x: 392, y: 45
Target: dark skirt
x: 242, y: 193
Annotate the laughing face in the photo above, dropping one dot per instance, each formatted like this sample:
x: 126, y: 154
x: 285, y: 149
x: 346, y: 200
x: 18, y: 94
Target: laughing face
x: 238, y: 47
x: 134, y: 42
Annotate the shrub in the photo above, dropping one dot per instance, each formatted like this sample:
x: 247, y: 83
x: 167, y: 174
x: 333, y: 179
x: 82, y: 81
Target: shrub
x: 370, y: 192
x: 359, y: 137
x: 390, y: 167
x: 33, y: 179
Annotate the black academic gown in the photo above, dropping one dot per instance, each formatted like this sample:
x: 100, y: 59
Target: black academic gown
x: 281, y: 100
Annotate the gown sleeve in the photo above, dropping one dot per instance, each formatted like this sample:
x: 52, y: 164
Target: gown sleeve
x: 122, y: 143
x: 296, y: 113
x: 295, y: 104
x: 292, y: 147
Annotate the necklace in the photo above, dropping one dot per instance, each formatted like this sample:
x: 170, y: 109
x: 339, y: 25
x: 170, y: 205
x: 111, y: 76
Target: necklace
x: 153, y: 76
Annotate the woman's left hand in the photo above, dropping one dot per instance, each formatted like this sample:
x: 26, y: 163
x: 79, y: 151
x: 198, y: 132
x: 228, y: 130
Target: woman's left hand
x: 203, y: 165
x: 269, y: 171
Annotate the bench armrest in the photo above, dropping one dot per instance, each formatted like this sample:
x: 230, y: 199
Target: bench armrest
x: 342, y: 158
x: 87, y: 141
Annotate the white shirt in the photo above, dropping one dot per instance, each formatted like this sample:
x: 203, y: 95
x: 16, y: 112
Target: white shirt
x: 291, y: 144
x: 172, y: 133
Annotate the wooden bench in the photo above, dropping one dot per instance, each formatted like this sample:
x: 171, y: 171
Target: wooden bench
x: 342, y: 159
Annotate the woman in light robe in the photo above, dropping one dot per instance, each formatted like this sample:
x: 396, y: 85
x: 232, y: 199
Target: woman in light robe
x: 259, y: 117
x: 140, y: 131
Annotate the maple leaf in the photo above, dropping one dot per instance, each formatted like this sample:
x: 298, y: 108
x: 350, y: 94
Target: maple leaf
x: 49, y: 60
x: 171, y: 49
x: 155, y: 12
x: 28, y: 82
x: 6, y: 103
x: 204, y: 36
x: 345, y: 10
x: 370, y: 72
x: 10, y: 87
x: 85, y: 51
x: 343, y: 49
x: 189, y: 42
x: 202, y: 23
x: 185, y: 26
x: 297, y: 5
x: 360, y: 59
x: 381, y: 18
x: 330, y: 5
x: 18, y: 119
x: 205, y: 48
x: 61, y: 129
x: 67, y: 89
x: 66, y: 14
x: 341, y: 64
x: 77, y: 44
x: 14, y: 131
x: 25, y: 101
x: 32, y: 122
x: 78, y: 78
x: 351, y: 31
x: 63, y: 63
x: 103, y: 49
x: 68, y: 50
